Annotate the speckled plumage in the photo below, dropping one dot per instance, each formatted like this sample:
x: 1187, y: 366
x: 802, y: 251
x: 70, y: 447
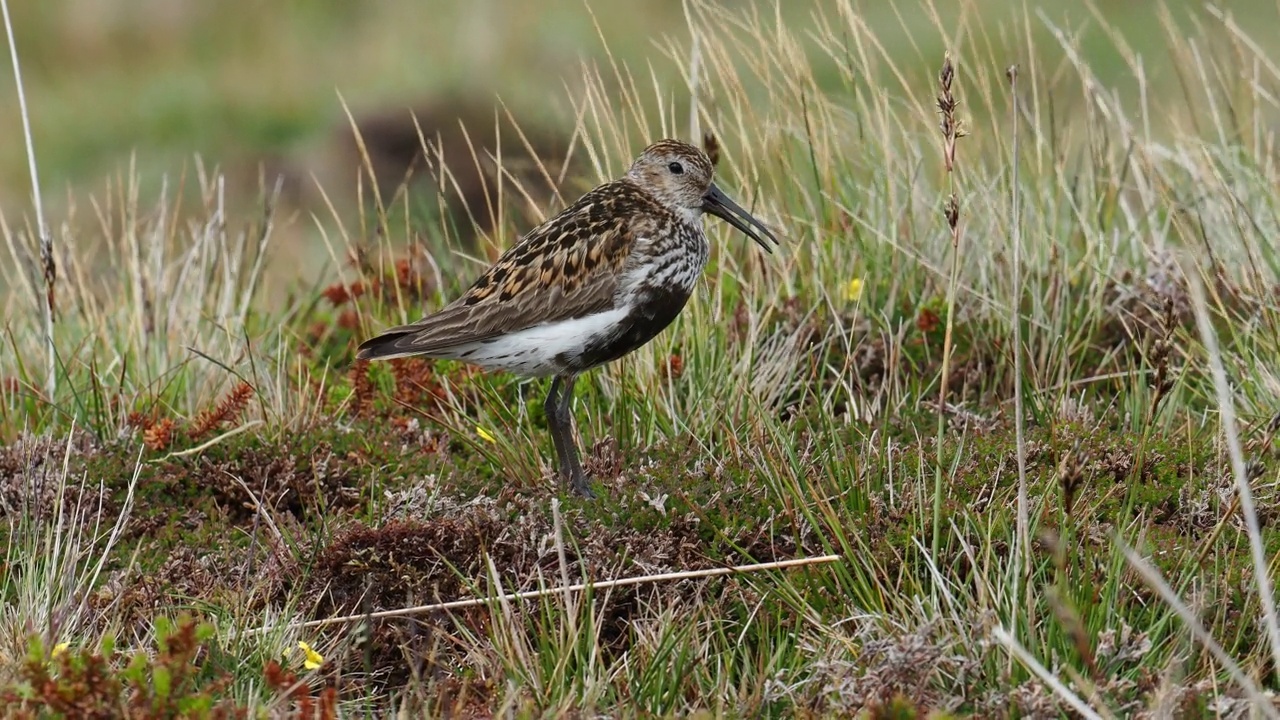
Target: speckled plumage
x: 587, y: 286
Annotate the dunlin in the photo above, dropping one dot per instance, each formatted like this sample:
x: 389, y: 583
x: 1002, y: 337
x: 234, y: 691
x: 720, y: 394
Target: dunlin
x: 586, y: 287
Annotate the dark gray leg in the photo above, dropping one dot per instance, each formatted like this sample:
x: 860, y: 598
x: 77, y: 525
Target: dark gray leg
x: 560, y: 423
x: 571, y: 468
x: 552, y: 409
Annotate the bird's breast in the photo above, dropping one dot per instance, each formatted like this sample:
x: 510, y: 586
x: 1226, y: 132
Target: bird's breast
x: 671, y: 263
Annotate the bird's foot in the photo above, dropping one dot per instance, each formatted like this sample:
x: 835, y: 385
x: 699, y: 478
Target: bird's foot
x: 581, y: 484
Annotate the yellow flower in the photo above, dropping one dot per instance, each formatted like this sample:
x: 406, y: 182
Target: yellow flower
x: 311, y: 659
x: 60, y: 648
x: 484, y: 435
x: 853, y: 290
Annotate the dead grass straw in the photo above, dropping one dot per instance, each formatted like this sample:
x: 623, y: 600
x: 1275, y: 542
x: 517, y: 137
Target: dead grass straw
x: 578, y: 587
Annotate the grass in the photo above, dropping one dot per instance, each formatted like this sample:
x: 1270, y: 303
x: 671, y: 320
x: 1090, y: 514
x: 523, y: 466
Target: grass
x: 211, y: 470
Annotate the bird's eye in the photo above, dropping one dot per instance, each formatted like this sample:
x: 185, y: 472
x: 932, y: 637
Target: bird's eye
x: 676, y: 168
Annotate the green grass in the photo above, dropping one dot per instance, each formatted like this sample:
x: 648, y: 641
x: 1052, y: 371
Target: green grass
x: 210, y: 451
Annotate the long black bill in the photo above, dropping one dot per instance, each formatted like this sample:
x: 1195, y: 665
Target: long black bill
x: 719, y: 204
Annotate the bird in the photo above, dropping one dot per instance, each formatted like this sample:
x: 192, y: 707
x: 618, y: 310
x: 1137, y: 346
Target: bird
x: 586, y: 287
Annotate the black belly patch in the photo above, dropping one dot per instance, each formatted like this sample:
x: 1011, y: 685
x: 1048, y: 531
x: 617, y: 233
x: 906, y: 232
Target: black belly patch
x: 657, y: 308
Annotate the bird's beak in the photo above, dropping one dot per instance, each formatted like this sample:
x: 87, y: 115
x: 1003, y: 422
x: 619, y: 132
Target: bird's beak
x: 718, y: 204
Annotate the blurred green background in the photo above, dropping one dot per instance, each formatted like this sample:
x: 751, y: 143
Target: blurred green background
x: 252, y: 86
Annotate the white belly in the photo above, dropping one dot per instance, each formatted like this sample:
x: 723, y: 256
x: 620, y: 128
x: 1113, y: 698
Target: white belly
x: 538, y: 351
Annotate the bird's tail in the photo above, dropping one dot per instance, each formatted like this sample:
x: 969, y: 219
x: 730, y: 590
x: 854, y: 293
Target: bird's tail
x: 387, y: 346
x: 434, y: 336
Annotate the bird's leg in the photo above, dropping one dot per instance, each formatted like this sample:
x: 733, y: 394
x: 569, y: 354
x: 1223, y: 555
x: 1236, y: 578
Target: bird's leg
x: 552, y: 410
x: 570, y: 467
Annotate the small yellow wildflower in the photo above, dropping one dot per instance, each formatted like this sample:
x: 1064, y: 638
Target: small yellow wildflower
x: 484, y: 435
x: 60, y: 648
x: 853, y: 290
x: 311, y: 659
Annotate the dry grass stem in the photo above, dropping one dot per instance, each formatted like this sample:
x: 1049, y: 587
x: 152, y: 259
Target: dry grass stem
x: 578, y: 587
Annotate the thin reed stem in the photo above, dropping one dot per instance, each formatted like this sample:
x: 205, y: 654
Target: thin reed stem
x: 47, y: 263
x: 951, y: 132
x: 1019, y: 413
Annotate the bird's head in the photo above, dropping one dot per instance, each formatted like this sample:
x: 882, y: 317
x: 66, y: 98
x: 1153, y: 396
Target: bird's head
x: 679, y: 176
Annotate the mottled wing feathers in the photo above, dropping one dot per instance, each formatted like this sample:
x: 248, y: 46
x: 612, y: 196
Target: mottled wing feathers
x: 568, y: 267
x: 586, y: 243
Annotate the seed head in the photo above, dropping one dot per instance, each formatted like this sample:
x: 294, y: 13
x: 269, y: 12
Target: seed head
x: 711, y: 146
x: 952, y: 211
